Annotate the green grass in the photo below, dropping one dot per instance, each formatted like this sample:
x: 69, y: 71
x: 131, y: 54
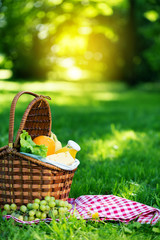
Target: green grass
x: 118, y: 130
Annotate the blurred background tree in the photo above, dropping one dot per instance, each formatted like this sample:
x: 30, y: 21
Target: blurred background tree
x: 73, y: 39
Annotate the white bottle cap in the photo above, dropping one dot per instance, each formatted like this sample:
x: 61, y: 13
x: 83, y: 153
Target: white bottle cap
x: 74, y: 145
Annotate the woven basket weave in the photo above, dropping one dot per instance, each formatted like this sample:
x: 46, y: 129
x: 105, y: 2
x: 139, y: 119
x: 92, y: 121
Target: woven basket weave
x: 22, y: 178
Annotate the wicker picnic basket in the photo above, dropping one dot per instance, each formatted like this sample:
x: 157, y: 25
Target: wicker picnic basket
x: 23, y: 178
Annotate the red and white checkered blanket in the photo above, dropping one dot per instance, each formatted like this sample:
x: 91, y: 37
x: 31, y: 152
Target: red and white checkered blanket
x: 109, y: 207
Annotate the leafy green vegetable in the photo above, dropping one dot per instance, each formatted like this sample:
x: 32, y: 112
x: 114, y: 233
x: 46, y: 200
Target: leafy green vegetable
x: 27, y: 145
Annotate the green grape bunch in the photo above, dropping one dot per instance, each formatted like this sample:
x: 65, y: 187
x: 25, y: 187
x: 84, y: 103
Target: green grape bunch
x: 48, y: 207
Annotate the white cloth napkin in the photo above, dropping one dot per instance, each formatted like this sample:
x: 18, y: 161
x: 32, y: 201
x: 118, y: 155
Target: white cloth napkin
x: 56, y: 164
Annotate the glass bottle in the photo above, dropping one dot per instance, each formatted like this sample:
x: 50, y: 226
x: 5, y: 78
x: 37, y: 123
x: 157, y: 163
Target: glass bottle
x: 71, y: 147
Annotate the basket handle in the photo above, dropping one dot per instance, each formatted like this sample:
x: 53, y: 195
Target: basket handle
x: 12, y: 115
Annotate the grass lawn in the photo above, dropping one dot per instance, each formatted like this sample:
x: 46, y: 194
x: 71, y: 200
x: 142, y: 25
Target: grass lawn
x: 118, y: 130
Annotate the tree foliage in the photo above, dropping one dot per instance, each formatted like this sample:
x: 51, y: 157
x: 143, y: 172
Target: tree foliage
x: 116, y: 39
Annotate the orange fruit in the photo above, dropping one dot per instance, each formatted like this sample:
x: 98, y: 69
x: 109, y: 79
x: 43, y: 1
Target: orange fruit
x: 47, y: 141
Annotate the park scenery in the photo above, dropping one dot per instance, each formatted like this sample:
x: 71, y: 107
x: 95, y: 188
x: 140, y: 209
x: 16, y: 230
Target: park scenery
x: 79, y: 119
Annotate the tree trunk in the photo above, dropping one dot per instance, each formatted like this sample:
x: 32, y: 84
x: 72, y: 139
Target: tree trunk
x: 131, y: 44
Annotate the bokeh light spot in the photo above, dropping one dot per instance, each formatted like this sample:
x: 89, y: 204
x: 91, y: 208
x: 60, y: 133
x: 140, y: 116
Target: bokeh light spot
x: 151, y: 15
x: 5, y: 74
x: 74, y: 73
